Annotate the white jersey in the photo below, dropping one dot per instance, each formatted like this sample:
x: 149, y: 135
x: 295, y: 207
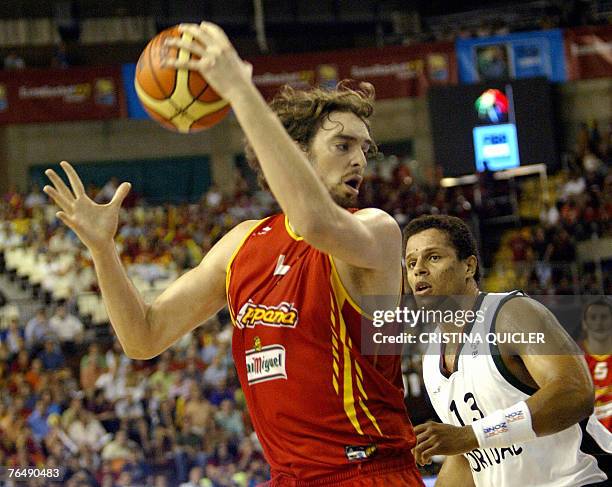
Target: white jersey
x: 480, y: 385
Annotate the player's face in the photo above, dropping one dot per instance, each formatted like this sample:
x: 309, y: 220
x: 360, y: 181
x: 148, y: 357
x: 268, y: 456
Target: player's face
x: 433, y: 268
x: 598, y: 320
x: 338, y: 153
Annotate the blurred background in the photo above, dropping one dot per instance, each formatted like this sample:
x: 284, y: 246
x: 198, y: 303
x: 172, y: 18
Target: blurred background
x: 498, y: 113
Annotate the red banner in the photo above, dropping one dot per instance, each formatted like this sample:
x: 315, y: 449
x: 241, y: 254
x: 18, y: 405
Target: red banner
x: 395, y: 71
x: 54, y: 95
x: 589, y: 52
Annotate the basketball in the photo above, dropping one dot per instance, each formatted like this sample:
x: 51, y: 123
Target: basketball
x: 178, y: 99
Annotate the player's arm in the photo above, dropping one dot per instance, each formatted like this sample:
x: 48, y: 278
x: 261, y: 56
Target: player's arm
x: 359, y: 240
x: 455, y: 471
x: 143, y: 330
x: 186, y: 303
x: 565, y: 389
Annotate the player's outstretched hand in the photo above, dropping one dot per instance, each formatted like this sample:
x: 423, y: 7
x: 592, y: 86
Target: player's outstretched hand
x: 95, y: 225
x: 213, y: 56
x: 442, y: 439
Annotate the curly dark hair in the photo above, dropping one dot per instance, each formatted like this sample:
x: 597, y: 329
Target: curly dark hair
x: 302, y: 112
x: 459, y: 235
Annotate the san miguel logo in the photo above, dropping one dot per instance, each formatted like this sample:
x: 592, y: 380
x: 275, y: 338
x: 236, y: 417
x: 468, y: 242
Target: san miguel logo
x: 266, y: 363
x: 282, y: 315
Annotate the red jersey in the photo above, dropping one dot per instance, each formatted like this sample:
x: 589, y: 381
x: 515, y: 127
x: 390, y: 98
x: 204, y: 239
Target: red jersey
x: 317, y: 404
x: 601, y: 372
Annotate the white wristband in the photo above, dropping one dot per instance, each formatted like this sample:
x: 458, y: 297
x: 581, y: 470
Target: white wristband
x: 504, y: 428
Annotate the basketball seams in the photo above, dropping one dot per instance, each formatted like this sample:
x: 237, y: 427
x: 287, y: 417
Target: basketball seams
x: 168, y: 97
x: 178, y: 109
x: 194, y: 98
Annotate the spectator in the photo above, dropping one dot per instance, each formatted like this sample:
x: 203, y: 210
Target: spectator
x: 13, y: 336
x: 35, y: 198
x: 67, y: 327
x: 198, y: 410
x: 162, y: 378
x: 37, y: 421
x: 60, y: 242
x: 216, y: 372
x: 195, y: 478
x: 51, y: 356
x: 34, y: 376
x: 72, y: 412
x: 87, y: 432
x: 574, y: 186
x: 228, y: 418
x: 116, y: 358
x: 37, y: 329
x: 188, y: 448
x: 93, y: 365
x: 119, y: 450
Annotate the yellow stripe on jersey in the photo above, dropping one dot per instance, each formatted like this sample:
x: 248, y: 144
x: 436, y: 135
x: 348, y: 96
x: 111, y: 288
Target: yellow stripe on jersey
x: 228, y: 268
x: 348, y: 397
x: 341, y: 292
x: 369, y: 415
x: 290, y: 230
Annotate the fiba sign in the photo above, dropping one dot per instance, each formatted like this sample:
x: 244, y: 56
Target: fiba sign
x: 496, y: 146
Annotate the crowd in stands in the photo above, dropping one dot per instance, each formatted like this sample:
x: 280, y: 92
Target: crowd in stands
x: 110, y: 421
x: 72, y: 401
x: 580, y: 209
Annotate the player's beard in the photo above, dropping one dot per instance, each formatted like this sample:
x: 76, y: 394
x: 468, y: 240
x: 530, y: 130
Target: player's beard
x: 343, y: 200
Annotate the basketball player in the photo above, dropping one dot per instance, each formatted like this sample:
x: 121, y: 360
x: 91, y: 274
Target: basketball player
x: 323, y: 412
x: 510, y: 416
x: 597, y: 345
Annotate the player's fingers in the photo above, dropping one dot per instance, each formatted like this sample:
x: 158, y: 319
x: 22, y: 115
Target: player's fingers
x: 198, y: 34
x: 216, y: 32
x: 430, y: 452
x: 418, y: 457
x: 59, y: 200
x: 423, y: 435
x: 73, y: 177
x: 424, y: 445
x: 66, y: 219
x: 419, y: 428
x: 120, y: 194
x: 249, y: 68
x: 60, y: 186
x: 190, y: 46
x: 191, y: 64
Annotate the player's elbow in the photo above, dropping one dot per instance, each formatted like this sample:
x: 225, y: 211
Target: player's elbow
x: 587, y: 402
x: 138, y: 351
x: 583, y: 400
x: 142, y: 342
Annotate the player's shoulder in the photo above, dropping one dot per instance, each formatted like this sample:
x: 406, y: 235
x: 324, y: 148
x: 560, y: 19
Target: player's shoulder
x: 236, y: 235
x: 224, y: 250
x: 377, y: 217
x: 520, y: 310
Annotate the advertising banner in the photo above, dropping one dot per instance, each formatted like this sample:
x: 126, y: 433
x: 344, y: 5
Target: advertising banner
x: 515, y: 56
x: 395, y: 71
x: 589, y: 52
x: 56, y: 95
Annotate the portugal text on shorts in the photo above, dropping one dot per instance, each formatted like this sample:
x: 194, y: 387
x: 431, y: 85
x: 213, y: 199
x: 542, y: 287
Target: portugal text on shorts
x: 493, y: 338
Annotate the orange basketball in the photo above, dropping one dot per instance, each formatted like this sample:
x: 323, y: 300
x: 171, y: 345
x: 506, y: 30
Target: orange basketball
x: 178, y: 99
